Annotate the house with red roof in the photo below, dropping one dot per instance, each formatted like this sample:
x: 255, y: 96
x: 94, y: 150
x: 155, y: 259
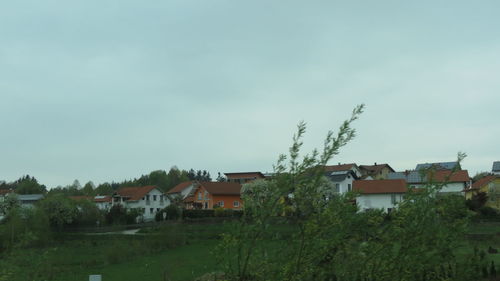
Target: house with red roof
x: 453, y: 181
x: 342, y: 176
x: 211, y: 195
x: 244, y: 177
x: 183, y: 189
x: 149, y: 200
x: 490, y: 185
x: 376, y: 171
x: 379, y: 194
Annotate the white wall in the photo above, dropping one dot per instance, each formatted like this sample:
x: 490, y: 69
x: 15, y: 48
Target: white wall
x: 151, y: 206
x: 456, y: 187
x: 377, y: 201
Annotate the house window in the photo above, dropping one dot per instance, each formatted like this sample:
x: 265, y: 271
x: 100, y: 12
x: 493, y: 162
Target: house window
x: 206, y: 195
x: 236, y: 204
x: 337, y: 187
x: 154, y: 197
x: 206, y: 205
x: 151, y: 210
x: 157, y: 209
x: 199, y: 195
x: 143, y: 210
x: 147, y: 197
x: 393, y: 199
x: 349, y: 187
x: 220, y: 203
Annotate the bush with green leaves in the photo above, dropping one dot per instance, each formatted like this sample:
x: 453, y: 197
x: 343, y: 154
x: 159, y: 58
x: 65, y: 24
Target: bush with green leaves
x: 332, y: 239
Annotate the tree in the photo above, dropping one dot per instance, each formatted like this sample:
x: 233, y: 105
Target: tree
x: 220, y: 177
x: 88, y: 189
x: 330, y: 238
x: 60, y: 210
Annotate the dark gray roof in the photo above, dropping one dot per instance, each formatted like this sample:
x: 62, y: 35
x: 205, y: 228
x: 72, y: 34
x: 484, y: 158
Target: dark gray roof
x: 29, y: 197
x: 438, y: 165
x: 410, y: 176
x: 496, y: 166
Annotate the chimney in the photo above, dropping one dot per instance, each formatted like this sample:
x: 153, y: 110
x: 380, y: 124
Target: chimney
x: 375, y: 163
x: 339, y: 163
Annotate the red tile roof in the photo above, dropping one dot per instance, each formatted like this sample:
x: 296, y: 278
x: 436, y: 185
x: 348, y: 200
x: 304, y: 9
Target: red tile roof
x: 457, y: 176
x: 483, y: 181
x: 180, y: 187
x: 244, y: 175
x: 380, y: 186
x: 135, y: 193
x: 375, y: 169
x: 222, y: 188
x: 342, y: 167
x: 5, y: 191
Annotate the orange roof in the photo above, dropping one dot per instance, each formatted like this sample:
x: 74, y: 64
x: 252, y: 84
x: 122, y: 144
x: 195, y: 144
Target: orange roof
x: 244, y: 175
x: 375, y: 169
x: 5, y: 191
x: 483, y: 181
x: 180, y: 187
x: 457, y: 176
x: 380, y: 186
x: 222, y: 188
x: 135, y: 193
x: 342, y: 167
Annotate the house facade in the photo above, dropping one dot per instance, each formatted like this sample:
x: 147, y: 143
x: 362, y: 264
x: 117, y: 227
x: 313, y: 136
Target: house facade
x: 244, y: 177
x: 496, y: 168
x: 454, y: 182
x: 211, y: 195
x: 490, y: 185
x: 380, y: 194
x: 149, y: 200
x: 376, y: 171
x: 342, y: 176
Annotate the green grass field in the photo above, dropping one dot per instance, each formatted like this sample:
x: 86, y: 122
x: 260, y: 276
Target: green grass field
x: 176, y: 251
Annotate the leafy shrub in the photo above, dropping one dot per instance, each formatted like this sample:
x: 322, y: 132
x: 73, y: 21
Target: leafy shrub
x: 195, y: 214
x: 173, y: 212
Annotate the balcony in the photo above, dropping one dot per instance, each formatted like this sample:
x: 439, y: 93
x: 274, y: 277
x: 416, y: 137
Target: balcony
x: 148, y: 202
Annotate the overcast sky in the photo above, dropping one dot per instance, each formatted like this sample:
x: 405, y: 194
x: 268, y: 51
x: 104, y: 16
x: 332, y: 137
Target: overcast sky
x: 109, y: 90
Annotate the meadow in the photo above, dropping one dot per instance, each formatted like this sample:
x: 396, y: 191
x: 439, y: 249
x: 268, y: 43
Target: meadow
x: 172, y: 251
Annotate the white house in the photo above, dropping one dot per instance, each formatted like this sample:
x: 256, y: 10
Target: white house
x: 342, y: 176
x: 103, y: 202
x: 148, y: 199
x: 454, y: 182
x: 183, y: 189
x: 29, y: 200
x: 496, y: 168
x: 379, y: 194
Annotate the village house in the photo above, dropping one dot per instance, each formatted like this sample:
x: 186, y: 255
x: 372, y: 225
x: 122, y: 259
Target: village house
x: 490, y: 185
x: 496, y: 168
x: 342, y: 176
x: 379, y: 194
x: 149, y: 200
x: 102, y: 202
x: 244, y: 177
x: 183, y: 189
x: 439, y: 166
x: 211, y: 195
x: 454, y: 182
x: 376, y: 171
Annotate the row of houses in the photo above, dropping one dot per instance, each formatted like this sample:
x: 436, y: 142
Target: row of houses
x: 379, y: 187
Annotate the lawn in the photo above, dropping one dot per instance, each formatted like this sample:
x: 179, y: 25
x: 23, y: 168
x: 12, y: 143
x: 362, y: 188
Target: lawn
x: 177, y: 251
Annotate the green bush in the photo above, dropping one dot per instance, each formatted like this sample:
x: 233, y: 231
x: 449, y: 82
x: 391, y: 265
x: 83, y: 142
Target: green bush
x: 195, y: 214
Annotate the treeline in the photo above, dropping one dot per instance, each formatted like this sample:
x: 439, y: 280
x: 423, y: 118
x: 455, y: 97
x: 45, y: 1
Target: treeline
x: 161, y: 178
